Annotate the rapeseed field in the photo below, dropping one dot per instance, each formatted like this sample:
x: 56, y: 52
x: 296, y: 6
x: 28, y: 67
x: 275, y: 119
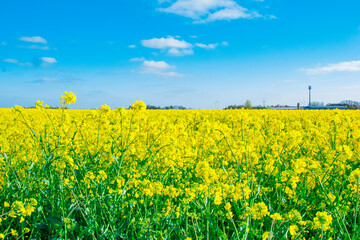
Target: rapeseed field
x: 178, y: 174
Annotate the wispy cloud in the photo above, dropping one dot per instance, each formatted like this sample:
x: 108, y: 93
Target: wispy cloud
x: 159, y: 68
x: 156, y: 65
x: 163, y: 43
x: 11, y: 60
x: 48, y: 60
x: 174, y: 47
x: 140, y: 59
x: 44, y: 61
x: 35, y: 39
x: 132, y: 46
x: 36, y: 47
x: 3, y: 43
x: 180, y: 52
x: 351, y: 66
x: 207, y: 46
x: 45, y: 80
x: 17, y: 62
x: 203, y: 11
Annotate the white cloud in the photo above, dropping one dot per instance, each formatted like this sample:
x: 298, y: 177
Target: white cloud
x: 174, y: 47
x: 350, y: 66
x: 17, y: 62
x: 181, y: 52
x: 11, y: 60
x: 132, y: 46
x: 36, y: 47
x: 225, y: 44
x: 207, y: 46
x: 271, y: 17
x: 48, y: 60
x: 35, y: 39
x: 140, y: 59
x: 163, y: 43
x: 193, y: 36
x: 230, y: 14
x: 159, y: 68
x: 156, y: 65
x: 203, y: 11
x: 170, y: 74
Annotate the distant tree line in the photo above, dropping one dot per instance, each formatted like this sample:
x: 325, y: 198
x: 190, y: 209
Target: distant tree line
x: 317, y: 104
x: 166, y: 108
x: 346, y: 103
x: 247, y: 105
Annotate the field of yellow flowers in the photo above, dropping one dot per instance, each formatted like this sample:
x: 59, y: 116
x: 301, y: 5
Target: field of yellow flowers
x: 178, y: 174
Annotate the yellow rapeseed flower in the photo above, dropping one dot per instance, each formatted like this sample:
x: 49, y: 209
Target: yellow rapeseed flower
x: 14, y: 232
x: 218, y: 199
x: 39, y: 104
x: 104, y: 108
x: 227, y: 206
x: 276, y: 216
x: 68, y: 98
x: 322, y: 221
x: 293, y: 230
x: 260, y: 210
x: 139, y: 105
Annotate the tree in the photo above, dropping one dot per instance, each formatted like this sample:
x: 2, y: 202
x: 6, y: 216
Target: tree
x: 248, y: 104
x: 317, y: 104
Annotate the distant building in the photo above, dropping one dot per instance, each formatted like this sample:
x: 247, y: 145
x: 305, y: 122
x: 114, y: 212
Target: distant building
x: 324, y: 107
x: 283, y: 107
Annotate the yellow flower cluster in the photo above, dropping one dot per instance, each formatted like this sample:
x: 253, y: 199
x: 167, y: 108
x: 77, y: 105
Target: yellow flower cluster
x: 260, y: 210
x: 139, y: 105
x: 138, y: 173
x: 68, y: 98
x: 322, y: 221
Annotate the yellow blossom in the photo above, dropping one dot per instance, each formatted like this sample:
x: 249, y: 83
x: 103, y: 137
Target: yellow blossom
x: 138, y: 105
x: 68, y: 98
x: 104, y: 108
x: 276, y: 216
x: 265, y: 236
x: 260, y: 210
x: 322, y: 221
x: 14, y: 232
x: 293, y: 230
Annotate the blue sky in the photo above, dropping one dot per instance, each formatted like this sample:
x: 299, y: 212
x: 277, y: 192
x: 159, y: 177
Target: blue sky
x: 195, y: 53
